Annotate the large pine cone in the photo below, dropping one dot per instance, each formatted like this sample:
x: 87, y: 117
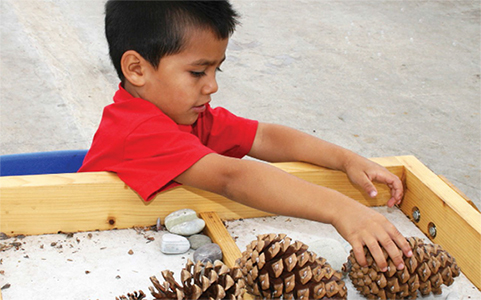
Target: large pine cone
x: 428, y: 268
x: 199, y: 281
x: 274, y: 268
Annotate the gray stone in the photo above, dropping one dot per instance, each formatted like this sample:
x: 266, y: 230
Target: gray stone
x: 208, y: 252
x: 198, y: 240
x: 184, y: 222
x: 174, y: 244
x: 189, y: 227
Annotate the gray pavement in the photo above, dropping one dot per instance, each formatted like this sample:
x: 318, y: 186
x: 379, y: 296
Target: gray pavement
x: 382, y: 78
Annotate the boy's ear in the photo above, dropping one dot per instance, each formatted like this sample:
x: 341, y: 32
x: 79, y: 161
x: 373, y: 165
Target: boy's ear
x: 133, y: 67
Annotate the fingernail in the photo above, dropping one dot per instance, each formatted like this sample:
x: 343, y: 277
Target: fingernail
x: 410, y: 253
x: 384, y: 269
x: 373, y: 194
x: 400, y: 266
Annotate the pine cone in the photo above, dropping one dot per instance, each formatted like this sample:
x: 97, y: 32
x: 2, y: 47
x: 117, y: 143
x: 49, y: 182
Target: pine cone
x: 135, y: 296
x: 275, y: 268
x: 428, y: 268
x: 199, y: 281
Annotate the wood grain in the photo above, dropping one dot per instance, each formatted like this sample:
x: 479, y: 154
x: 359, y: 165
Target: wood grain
x: 42, y: 204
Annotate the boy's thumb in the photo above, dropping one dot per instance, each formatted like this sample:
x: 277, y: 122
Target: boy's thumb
x: 370, y: 189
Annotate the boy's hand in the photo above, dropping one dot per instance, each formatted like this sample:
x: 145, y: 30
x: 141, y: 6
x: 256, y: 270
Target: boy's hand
x: 364, y: 172
x: 362, y: 226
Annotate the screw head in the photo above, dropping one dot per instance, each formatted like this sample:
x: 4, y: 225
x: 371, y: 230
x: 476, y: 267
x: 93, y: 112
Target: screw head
x: 432, y: 229
x: 416, y: 214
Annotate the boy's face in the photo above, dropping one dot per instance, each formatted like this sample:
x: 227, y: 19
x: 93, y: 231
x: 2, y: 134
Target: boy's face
x: 182, y: 84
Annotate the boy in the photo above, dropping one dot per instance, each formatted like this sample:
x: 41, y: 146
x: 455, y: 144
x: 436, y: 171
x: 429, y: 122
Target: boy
x: 161, y: 131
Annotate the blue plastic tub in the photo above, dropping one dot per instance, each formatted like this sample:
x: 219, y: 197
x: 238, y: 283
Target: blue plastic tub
x: 54, y: 162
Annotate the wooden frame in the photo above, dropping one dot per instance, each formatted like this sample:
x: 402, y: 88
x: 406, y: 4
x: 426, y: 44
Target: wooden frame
x: 42, y: 204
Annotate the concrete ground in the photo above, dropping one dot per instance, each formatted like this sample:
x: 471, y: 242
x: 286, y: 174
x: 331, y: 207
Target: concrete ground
x: 382, y: 78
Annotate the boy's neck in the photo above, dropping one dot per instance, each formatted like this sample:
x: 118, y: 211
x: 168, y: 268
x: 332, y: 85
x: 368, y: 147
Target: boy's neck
x: 131, y: 89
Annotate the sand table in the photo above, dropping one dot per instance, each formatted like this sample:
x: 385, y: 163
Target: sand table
x: 103, y: 265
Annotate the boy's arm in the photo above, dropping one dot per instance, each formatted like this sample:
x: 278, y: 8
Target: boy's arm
x: 270, y: 189
x: 277, y: 143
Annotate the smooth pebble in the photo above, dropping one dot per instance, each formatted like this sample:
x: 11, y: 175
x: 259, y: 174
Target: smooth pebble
x: 184, y: 222
x: 174, y: 244
x: 189, y: 227
x: 179, y: 216
x: 198, y: 240
x: 208, y: 252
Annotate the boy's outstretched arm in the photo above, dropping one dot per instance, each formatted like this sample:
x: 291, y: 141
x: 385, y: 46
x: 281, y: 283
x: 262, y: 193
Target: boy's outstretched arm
x: 277, y: 143
x: 267, y: 188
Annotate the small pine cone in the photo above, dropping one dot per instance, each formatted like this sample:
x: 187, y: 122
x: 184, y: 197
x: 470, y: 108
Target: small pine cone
x: 199, y: 281
x: 274, y: 267
x: 425, y: 271
x: 134, y: 296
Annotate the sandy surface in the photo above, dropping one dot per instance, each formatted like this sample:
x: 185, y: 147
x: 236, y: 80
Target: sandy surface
x: 98, y: 265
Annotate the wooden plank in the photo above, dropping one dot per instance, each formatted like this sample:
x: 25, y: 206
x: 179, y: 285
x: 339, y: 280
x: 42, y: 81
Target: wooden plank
x: 81, y: 202
x: 42, y: 204
x: 215, y: 229
x: 458, y: 224
x: 452, y: 186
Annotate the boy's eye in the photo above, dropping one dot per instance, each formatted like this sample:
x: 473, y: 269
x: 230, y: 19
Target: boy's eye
x: 202, y: 73
x: 197, y: 74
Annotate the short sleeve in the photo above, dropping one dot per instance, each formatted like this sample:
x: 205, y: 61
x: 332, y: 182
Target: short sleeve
x: 153, y: 158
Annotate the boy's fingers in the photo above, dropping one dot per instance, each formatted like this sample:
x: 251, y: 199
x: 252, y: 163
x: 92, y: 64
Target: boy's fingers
x: 369, y: 187
x: 396, y: 187
x: 391, y: 202
x: 358, y: 251
x: 372, y: 192
x: 396, y: 193
x: 396, y: 245
x: 403, y: 244
x: 394, y: 184
x: 391, y: 248
x: 396, y: 196
x: 395, y: 254
x: 378, y: 256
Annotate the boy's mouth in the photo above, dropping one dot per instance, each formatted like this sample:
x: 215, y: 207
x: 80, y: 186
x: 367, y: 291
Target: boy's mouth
x: 199, y: 109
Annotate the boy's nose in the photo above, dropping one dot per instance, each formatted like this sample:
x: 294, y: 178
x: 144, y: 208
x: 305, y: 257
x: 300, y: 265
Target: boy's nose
x: 210, y: 87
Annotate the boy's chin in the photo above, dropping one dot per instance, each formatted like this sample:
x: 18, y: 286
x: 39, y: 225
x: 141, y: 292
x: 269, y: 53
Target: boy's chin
x: 187, y: 122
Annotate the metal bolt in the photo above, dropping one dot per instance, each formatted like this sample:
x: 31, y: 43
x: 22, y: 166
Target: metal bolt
x: 416, y: 214
x: 432, y: 230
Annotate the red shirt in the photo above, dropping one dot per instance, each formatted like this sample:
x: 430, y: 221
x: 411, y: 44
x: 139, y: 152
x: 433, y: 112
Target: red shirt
x: 148, y: 150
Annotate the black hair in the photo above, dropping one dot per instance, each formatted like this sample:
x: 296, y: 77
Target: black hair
x: 158, y: 28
